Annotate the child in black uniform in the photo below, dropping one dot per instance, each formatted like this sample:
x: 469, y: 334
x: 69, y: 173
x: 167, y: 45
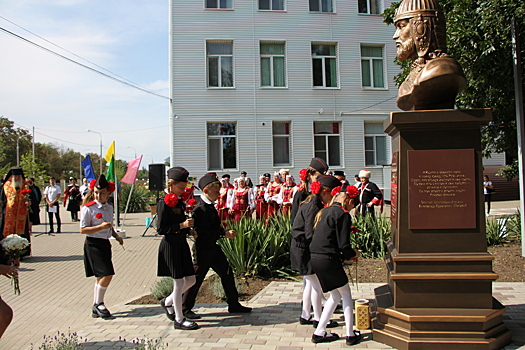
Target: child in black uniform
x: 209, y: 253
x: 330, y: 247
x: 174, y: 253
x: 302, y: 232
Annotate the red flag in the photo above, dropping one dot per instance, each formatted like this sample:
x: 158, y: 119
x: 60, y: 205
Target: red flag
x: 131, y: 173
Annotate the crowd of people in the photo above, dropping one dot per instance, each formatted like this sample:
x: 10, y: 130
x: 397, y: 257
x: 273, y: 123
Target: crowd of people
x: 274, y: 195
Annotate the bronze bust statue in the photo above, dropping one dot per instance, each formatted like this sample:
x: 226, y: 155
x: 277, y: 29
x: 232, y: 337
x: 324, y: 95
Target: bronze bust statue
x: 435, y: 78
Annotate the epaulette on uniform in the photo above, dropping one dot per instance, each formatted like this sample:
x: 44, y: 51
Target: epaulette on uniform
x: 89, y: 204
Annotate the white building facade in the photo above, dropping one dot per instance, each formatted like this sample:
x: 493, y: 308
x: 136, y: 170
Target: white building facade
x: 260, y: 85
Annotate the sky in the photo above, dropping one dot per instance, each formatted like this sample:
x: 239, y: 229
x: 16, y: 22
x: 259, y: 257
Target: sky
x: 62, y: 100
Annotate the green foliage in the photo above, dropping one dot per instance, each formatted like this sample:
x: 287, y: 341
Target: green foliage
x: 496, y: 231
x: 218, y: 290
x: 509, y: 171
x: 260, y: 248
x: 514, y: 227
x: 479, y: 37
x: 162, y: 288
x: 373, y: 234
x: 62, y: 341
x: 138, y: 203
x: 33, y: 169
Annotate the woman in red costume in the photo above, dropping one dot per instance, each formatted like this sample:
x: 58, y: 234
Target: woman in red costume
x: 286, y: 194
x: 221, y: 205
x: 241, y: 201
x: 271, y: 195
x: 261, y: 207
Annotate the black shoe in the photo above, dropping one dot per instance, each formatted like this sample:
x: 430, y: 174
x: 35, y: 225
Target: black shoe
x: 185, y: 324
x: 330, y: 324
x: 171, y: 317
x: 355, y: 339
x: 51, y: 231
x: 97, y: 312
x: 326, y: 338
x: 238, y: 309
x: 58, y: 231
x: 304, y: 321
x: 190, y: 315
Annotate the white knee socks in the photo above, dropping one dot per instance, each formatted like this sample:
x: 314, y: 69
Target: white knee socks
x: 180, y: 286
x: 336, y: 295
x: 99, y: 293
x: 312, y: 297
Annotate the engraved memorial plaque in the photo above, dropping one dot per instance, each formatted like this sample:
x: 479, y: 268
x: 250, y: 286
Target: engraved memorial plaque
x: 442, y: 189
x: 393, y: 186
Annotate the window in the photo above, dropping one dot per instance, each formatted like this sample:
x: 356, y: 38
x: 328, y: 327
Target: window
x: 321, y: 5
x: 281, y: 143
x: 324, y: 65
x: 375, y: 145
x: 274, y: 5
x: 273, y: 70
x: 372, y: 75
x: 222, y: 146
x: 371, y: 7
x: 220, y: 64
x: 326, y: 142
x: 218, y: 4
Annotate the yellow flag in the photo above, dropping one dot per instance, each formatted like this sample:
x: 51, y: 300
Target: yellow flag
x: 110, y: 152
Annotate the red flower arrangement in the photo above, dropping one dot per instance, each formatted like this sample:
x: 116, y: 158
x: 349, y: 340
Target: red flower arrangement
x: 352, y: 191
x: 26, y: 191
x: 336, y: 190
x: 188, y: 192
x: 315, y: 187
x: 191, y: 202
x: 171, y: 200
x: 99, y: 216
x: 303, y: 174
x: 354, y: 229
x: 111, y: 186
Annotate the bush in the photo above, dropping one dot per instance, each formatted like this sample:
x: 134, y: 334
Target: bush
x: 496, y: 231
x: 218, y: 290
x: 260, y: 248
x: 514, y: 226
x: 62, y: 341
x: 162, y: 288
x: 139, y: 201
x: 373, y: 234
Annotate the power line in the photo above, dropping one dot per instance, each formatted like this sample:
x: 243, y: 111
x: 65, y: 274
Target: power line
x: 133, y: 85
x: 108, y: 132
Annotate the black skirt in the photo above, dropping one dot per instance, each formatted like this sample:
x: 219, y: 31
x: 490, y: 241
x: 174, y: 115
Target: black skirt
x: 300, y: 257
x: 175, y: 257
x: 330, y: 272
x: 97, y: 257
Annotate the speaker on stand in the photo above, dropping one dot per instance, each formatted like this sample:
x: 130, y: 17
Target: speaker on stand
x: 157, y: 180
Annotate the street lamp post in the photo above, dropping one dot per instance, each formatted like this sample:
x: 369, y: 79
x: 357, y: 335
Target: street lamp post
x: 150, y: 156
x: 134, y: 150
x: 99, y: 134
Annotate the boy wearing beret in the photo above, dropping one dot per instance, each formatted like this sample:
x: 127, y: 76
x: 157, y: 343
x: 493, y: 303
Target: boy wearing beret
x: 209, y: 253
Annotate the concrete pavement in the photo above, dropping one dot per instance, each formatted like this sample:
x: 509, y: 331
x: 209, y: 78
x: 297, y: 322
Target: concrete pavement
x: 56, y: 296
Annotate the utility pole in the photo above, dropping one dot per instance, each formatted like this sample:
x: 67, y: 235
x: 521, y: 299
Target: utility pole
x: 518, y: 84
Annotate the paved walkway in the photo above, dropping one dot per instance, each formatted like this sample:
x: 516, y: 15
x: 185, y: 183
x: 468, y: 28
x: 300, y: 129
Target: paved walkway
x: 56, y: 297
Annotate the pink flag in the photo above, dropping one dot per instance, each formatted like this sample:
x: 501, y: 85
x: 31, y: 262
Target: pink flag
x: 131, y: 173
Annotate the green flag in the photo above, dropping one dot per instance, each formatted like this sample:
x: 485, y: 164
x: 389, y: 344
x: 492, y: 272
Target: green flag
x: 110, y: 176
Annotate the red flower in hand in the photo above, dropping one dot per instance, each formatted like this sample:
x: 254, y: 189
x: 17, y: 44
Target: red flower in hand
x: 315, y: 187
x: 99, y: 216
x: 171, y: 200
x: 354, y: 229
x: 188, y: 191
x: 25, y: 191
x: 303, y: 174
x: 191, y: 202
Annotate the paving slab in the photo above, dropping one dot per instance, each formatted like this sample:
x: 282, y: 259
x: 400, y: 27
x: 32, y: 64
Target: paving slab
x: 57, y: 297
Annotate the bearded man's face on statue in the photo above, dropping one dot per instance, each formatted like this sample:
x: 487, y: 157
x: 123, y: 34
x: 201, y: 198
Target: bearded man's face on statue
x: 406, y: 48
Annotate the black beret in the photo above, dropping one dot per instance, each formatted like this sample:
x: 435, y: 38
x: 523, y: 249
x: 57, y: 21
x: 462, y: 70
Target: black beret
x: 178, y: 174
x: 101, y: 182
x: 244, y: 172
x: 328, y: 181
x: 339, y: 172
x: 226, y: 175
x: 207, y: 179
x: 319, y: 165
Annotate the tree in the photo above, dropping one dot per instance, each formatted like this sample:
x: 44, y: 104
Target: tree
x: 479, y: 37
x: 33, y: 169
x: 9, y: 136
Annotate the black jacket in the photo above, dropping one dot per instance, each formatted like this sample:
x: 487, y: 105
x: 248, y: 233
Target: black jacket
x: 207, y: 224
